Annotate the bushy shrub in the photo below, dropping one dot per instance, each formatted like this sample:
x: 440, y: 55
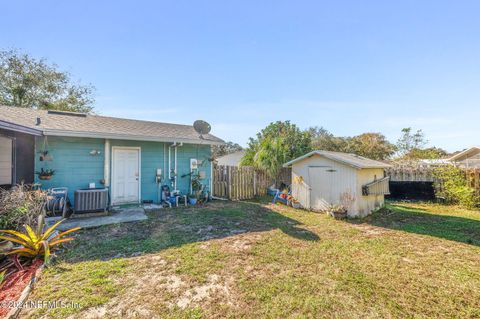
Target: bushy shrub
x: 452, y: 185
x: 20, y: 205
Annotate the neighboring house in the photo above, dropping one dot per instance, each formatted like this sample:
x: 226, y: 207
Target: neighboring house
x: 232, y: 159
x: 469, y: 158
x: 120, y: 154
x: 321, y: 179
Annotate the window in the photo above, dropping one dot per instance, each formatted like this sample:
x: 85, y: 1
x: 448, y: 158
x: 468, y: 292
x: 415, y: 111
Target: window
x: 6, y: 155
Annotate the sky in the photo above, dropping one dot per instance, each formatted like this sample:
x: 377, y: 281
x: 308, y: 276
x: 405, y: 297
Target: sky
x: 349, y: 66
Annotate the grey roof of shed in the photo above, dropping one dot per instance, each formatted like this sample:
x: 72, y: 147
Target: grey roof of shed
x: 353, y: 160
x: 95, y: 126
x: 472, y: 151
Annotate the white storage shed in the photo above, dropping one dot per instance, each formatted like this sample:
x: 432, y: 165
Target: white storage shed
x: 322, y: 178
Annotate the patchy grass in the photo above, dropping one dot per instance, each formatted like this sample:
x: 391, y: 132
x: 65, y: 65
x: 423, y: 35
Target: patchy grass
x: 255, y: 259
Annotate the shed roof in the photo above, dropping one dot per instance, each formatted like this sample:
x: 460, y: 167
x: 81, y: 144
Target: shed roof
x: 353, y: 160
x: 465, y: 154
x: 95, y: 126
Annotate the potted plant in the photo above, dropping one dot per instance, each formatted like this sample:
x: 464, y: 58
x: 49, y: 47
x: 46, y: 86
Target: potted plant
x: 45, y: 174
x: 196, y: 189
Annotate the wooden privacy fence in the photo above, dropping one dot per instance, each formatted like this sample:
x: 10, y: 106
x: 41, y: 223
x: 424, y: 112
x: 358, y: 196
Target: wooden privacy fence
x: 237, y: 183
x: 473, y: 179
x: 410, y: 174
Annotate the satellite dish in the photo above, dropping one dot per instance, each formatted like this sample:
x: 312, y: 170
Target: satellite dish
x: 202, y: 127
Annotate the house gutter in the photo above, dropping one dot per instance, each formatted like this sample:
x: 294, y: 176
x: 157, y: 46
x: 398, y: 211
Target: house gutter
x: 19, y: 128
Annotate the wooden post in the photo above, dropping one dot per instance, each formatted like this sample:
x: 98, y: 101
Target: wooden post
x: 254, y: 183
x: 229, y: 179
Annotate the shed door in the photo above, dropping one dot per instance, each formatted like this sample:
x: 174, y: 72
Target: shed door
x: 321, y: 179
x: 6, y: 154
x: 126, y: 175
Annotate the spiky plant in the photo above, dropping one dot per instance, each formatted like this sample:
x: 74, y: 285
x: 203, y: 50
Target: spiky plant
x: 2, y: 277
x: 36, y: 243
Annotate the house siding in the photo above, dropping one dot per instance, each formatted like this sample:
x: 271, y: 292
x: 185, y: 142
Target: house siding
x: 75, y: 168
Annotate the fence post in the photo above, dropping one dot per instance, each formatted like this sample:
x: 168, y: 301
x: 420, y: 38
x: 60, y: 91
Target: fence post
x: 229, y: 178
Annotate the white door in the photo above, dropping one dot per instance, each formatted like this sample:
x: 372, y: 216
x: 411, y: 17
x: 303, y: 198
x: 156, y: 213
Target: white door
x: 6, y: 149
x: 321, y: 179
x: 126, y: 175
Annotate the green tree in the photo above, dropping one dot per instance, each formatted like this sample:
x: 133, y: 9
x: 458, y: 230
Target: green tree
x: 411, y: 146
x: 271, y: 155
x: 224, y: 149
x: 410, y: 141
x: 326, y: 141
x: 283, y: 141
x: 427, y: 153
x: 371, y: 145
x: 35, y: 83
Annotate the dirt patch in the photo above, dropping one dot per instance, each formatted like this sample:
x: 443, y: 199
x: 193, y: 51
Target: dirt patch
x: 213, y: 287
x: 241, y: 243
x: 154, y: 285
x: 371, y: 231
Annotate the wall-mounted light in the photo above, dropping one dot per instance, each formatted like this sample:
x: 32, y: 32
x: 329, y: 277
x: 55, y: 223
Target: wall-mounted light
x: 95, y: 152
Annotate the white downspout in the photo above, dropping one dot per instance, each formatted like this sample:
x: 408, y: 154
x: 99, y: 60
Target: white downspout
x: 164, y: 160
x: 175, y: 172
x: 106, y: 164
x: 175, y: 181
x: 170, y: 163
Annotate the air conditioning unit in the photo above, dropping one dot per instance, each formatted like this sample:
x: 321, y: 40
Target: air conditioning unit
x: 91, y: 200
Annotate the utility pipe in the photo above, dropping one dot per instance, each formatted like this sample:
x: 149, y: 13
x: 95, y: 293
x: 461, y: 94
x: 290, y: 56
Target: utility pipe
x: 175, y: 180
x: 170, y: 161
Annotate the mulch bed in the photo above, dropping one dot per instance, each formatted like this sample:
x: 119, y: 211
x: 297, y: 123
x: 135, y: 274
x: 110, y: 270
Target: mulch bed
x: 14, y: 285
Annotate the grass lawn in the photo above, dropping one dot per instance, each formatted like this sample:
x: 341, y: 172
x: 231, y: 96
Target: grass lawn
x: 259, y: 260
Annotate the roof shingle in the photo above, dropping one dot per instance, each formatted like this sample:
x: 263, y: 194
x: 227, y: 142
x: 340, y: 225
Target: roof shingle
x: 75, y: 124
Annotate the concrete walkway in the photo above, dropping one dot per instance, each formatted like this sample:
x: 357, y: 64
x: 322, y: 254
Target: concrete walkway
x: 123, y: 215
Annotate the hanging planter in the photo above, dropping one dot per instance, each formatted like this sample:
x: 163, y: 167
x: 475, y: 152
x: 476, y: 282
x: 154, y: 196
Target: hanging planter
x: 45, y: 174
x: 44, y: 156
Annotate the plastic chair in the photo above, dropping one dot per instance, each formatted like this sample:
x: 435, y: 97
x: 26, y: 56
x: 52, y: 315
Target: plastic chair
x: 282, y: 198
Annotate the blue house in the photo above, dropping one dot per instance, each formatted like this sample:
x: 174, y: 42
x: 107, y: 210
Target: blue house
x: 131, y: 158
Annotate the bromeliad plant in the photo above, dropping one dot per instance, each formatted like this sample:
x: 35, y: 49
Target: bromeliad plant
x: 36, y: 243
x: 2, y: 277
